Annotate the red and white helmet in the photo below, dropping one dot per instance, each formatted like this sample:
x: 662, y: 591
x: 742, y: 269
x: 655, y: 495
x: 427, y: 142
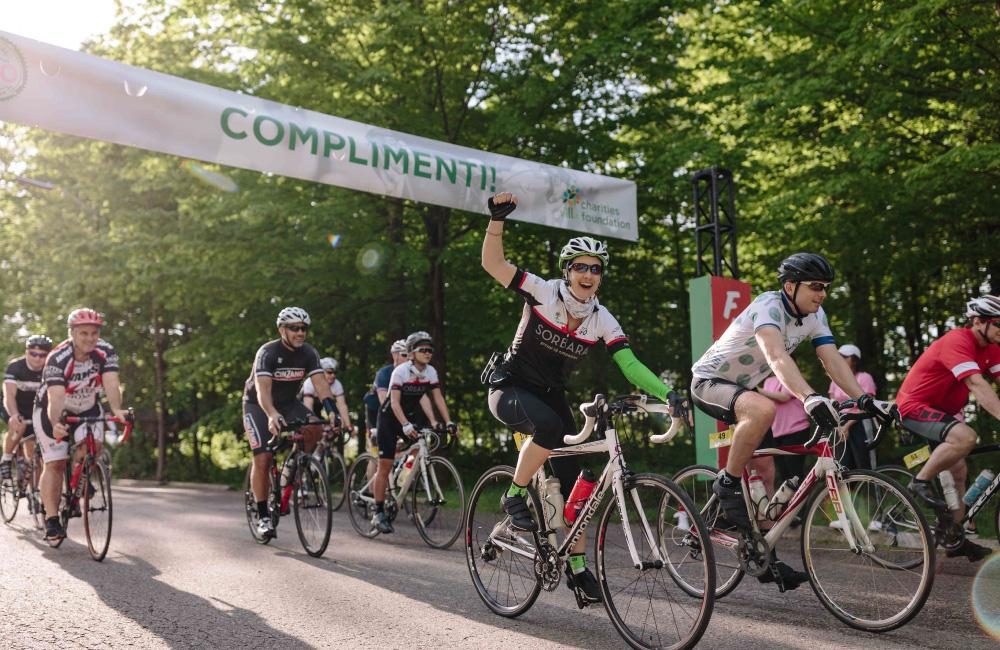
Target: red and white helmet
x: 84, y: 316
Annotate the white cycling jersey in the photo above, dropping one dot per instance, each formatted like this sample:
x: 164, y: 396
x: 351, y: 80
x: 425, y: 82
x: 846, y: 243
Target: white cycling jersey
x: 308, y: 388
x: 736, y: 357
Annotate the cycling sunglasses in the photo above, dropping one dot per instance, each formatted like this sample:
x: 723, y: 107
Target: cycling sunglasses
x: 426, y: 350
x: 38, y: 355
x: 819, y: 286
x: 297, y: 328
x: 581, y: 267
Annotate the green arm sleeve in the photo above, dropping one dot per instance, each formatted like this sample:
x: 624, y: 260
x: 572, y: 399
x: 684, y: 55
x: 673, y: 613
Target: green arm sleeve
x: 639, y: 375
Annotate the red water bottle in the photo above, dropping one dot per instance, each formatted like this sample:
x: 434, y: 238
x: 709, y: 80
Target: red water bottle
x: 582, y: 489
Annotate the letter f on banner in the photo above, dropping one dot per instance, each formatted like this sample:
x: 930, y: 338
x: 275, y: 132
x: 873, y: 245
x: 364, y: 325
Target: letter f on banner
x: 732, y: 303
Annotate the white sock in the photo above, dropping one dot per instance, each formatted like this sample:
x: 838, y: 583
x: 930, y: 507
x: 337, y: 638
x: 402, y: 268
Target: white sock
x: 7, y: 458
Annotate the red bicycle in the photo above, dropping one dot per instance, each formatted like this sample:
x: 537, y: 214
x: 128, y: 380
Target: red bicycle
x: 87, y: 491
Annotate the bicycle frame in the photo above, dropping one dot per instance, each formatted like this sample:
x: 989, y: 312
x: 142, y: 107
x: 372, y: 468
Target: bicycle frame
x: 399, y: 494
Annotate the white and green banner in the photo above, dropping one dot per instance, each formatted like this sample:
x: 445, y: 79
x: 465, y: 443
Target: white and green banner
x: 70, y: 92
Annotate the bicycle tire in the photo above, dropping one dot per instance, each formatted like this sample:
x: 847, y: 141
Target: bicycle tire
x: 438, y: 521
x: 671, y: 618
x: 250, y: 505
x: 494, y: 568
x: 336, y: 477
x: 358, y: 508
x: 8, y: 493
x: 97, y: 510
x: 848, y: 583
x: 311, y: 505
x: 897, y: 473
x: 696, y: 481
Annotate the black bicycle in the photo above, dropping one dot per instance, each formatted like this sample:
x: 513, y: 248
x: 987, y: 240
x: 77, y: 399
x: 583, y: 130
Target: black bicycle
x: 299, y: 488
x: 23, y: 484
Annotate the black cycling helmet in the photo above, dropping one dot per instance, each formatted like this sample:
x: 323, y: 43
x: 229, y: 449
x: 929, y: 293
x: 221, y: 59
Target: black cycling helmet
x: 38, y: 341
x: 805, y: 267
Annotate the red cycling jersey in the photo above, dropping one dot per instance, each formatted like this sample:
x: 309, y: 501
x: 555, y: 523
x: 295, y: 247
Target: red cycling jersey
x: 936, y: 380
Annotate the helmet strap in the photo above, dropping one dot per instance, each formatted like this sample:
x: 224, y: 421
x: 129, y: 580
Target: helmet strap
x: 794, y: 308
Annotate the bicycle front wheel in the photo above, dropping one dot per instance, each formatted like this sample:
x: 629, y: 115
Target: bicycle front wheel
x: 9, y: 494
x: 645, y: 603
x: 360, y: 494
x: 883, y: 582
x: 311, y: 503
x: 438, y: 501
x: 336, y: 477
x: 97, y: 510
x: 501, y: 560
x: 697, y: 481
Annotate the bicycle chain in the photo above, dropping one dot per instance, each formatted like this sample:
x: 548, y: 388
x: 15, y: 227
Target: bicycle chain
x: 755, y: 556
x: 547, y: 566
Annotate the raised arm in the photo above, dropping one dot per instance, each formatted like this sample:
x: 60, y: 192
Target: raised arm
x: 501, y: 205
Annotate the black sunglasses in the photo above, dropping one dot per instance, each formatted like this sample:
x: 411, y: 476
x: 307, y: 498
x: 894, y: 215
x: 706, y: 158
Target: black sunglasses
x: 819, y: 286
x: 426, y: 350
x: 297, y: 328
x: 580, y: 267
x: 38, y: 354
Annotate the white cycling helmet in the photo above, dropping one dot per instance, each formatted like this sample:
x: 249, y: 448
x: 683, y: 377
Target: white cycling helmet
x: 290, y: 315
x: 328, y: 363
x: 983, y: 306
x: 850, y: 350
x: 414, y: 340
x: 580, y: 246
x: 398, y: 347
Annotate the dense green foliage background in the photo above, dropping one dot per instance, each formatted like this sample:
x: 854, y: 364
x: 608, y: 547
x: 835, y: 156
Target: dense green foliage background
x: 867, y: 131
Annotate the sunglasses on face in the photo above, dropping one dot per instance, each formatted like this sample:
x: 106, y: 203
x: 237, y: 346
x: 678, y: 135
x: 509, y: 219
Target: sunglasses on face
x: 330, y: 372
x: 37, y: 355
x: 297, y: 328
x: 580, y: 267
x: 819, y: 286
x: 426, y: 350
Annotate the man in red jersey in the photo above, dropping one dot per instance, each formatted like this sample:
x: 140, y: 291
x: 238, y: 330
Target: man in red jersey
x: 937, y: 388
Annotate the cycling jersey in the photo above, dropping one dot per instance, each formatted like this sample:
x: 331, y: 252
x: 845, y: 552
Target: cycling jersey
x: 412, y: 385
x: 27, y: 382
x: 544, y: 351
x: 936, y: 380
x: 737, y: 358
x: 308, y: 388
x: 83, y: 380
x: 382, y: 378
x: 286, y: 367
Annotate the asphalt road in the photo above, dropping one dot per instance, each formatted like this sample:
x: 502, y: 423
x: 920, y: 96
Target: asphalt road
x: 183, y: 572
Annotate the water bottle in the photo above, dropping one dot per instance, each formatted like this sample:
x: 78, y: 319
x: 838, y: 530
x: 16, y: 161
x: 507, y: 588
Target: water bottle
x: 781, y: 498
x: 582, y: 489
x: 683, y: 521
x: 948, y: 488
x: 288, y: 471
x: 758, y: 494
x: 552, y: 503
x: 978, y: 486
x: 404, y: 473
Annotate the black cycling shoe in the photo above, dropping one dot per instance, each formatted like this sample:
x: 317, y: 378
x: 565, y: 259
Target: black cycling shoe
x: 924, y: 491
x: 975, y: 552
x: 790, y: 578
x: 520, y: 516
x: 381, y: 523
x: 734, y: 508
x: 584, y: 585
x: 54, y: 532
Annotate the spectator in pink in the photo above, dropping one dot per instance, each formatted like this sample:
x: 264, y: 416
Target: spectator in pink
x: 791, y: 426
x: 857, y: 433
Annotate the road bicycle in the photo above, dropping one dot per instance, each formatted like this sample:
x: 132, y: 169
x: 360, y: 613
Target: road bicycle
x: 657, y: 577
x: 329, y: 452
x: 427, y: 487
x: 87, y: 488
x: 865, y: 543
x: 23, y: 484
x: 299, y: 488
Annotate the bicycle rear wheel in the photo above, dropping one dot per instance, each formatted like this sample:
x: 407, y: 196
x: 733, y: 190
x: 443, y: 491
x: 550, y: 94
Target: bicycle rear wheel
x: 311, y: 503
x: 250, y: 504
x: 97, y: 510
x: 881, y: 587
x: 696, y: 481
x: 646, y: 604
x: 336, y: 477
x: 438, y: 503
x: 501, y: 561
x: 360, y: 495
x: 9, y: 493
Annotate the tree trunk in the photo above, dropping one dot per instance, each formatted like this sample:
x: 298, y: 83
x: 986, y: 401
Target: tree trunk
x: 436, y: 222
x: 398, y: 303
x: 159, y: 373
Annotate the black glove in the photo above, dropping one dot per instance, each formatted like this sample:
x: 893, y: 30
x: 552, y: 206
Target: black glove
x: 439, y: 428
x: 500, y: 211
x: 677, y: 404
x: 451, y: 428
x: 878, y: 409
x: 822, y: 411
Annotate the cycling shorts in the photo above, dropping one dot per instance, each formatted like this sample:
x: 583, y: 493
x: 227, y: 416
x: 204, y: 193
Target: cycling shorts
x: 930, y: 423
x: 716, y: 397
x: 55, y: 450
x: 389, y: 430
x: 255, y: 422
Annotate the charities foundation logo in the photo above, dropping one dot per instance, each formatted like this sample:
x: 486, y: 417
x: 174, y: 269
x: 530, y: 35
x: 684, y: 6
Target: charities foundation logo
x: 578, y: 208
x: 13, y: 72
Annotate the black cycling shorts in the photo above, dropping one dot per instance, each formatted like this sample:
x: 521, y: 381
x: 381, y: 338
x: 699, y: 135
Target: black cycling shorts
x: 389, y: 430
x: 255, y: 422
x: 930, y: 423
x: 716, y: 397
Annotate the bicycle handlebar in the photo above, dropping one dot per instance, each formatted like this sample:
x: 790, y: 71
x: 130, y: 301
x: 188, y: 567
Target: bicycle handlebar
x: 599, y: 407
x: 856, y: 417
x: 128, y: 421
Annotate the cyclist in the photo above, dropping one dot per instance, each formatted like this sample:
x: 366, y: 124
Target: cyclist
x: 856, y: 433
x: 74, y: 374
x: 269, y: 398
x: 380, y: 386
x: 758, y: 342
x: 409, y: 383
x: 938, y: 386
x: 311, y: 400
x: 560, y: 322
x: 20, y: 384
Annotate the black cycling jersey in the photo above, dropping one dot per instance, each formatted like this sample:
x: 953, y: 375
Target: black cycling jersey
x: 83, y: 380
x: 544, y: 351
x: 28, y: 382
x: 287, y: 369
